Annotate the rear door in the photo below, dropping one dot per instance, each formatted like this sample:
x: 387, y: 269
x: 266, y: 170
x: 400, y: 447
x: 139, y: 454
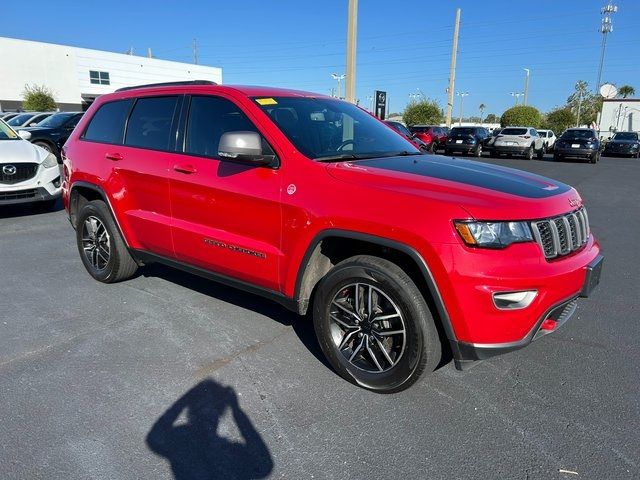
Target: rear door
x: 139, y: 179
x: 226, y: 216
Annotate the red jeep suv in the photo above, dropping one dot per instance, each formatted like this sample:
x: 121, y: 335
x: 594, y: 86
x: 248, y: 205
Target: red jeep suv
x: 314, y: 203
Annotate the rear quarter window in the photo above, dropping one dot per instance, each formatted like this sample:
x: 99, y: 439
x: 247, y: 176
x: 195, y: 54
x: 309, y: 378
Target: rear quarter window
x: 150, y: 123
x: 107, y: 125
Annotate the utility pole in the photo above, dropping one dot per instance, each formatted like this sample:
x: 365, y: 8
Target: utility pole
x: 606, y: 27
x: 149, y: 54
x: 452, y: 68
x: 526, y: 86
x: 195, y: 51
x: 352, y: 32
x: 339, y: 79
x: 370, y: 99
x: 579, y: 107
x: 461, y: 95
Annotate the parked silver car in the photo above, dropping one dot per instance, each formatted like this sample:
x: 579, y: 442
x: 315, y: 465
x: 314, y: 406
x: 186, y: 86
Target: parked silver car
x: 523, y: 141
x: 28, y: 119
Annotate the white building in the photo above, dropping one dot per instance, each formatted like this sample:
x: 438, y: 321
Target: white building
x: 76, y: 76
x: 619, y: 114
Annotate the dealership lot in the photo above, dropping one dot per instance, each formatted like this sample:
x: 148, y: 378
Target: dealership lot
x: 168, y: 375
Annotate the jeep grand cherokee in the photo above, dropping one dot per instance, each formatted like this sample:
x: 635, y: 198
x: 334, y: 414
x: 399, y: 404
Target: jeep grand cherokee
x: 314, y: 203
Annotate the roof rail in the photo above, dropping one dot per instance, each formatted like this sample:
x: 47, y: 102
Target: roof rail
x: 168, y: 84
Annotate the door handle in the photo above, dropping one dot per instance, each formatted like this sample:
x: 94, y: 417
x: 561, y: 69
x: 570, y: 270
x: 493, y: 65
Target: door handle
x: 185, y: 168
x: 114, y: 156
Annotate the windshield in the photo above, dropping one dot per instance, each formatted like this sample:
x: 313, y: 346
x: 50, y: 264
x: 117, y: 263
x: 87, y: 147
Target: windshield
x: 542, y: 133
x: 463, y: 131
x: 514, y: 131
x: 625, y: 136
x: 56, y: 120
x: 7, y: 133
x: 579, y: 134
x: 323, y: 128
x: 400, y: 128
x: 20, y: 119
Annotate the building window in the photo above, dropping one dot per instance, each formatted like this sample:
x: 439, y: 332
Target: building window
x: 99, y: 78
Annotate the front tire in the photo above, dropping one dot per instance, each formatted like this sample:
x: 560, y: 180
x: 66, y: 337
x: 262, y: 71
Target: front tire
x: 101, y: 247
x: 541, y: 152
x: 374, y: 325
x: 478, y: 151
x: 46, y: 146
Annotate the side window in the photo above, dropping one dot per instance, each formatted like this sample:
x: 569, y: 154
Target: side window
x: 107, y: 125
x: 551, y: 134
x: 210, y: 117
x: 534, y: 132
x: 74, y: 121
x: 150, y: 123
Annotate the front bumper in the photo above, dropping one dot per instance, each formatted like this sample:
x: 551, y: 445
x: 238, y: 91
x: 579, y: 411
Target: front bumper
x: 611, y: 152
x: 481, y: 329
x: 575, y: 152
x: 44, y: 185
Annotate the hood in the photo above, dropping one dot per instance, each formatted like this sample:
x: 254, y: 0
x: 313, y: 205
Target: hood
x: 21, y: 151
x: 485, y: 191
x: 624, y: 142
x: 34, y: 130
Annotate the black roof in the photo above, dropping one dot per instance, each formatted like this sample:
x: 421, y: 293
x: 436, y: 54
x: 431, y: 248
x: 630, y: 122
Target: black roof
x: 168, y: 84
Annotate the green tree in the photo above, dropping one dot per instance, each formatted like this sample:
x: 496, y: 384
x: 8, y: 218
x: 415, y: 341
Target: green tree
x: 492, y: 118
x: 584, y: 104
x: 626, y: 91
x: 482, y: 108
x: 521, y: 115
x: 423, y: 112
x: 38, y: 98
x: 559, y: 120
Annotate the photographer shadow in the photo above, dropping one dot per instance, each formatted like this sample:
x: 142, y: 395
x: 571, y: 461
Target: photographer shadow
x: 193, y: 446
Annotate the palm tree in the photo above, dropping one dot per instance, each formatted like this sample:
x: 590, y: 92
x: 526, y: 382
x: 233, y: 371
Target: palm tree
x: 626, y: 91
x: 482, y: 107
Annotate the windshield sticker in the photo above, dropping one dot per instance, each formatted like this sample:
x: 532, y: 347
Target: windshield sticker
x: 266, y: 101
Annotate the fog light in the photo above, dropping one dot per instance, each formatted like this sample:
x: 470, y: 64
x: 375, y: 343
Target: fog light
x: 514, y: 300
x: 56, y: 182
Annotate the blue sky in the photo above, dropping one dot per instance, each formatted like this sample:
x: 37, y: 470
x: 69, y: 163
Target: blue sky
x: 402, y: 46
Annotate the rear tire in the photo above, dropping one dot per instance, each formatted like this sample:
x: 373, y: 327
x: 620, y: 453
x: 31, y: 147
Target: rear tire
x: 594, y: 158
x: 49, y: 147
x: 541, y: 152
x: 557, y: 157
x: 528, y: 154
x: 478, y: 152
x: 355, y: 340
x: 101, y: 247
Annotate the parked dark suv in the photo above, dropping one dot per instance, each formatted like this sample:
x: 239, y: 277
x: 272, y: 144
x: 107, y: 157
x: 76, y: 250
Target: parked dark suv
x: 623, y: 143
x: 466, y: 140
x: 579, y: 143
x: 316, y: 204
x: 53, y: 131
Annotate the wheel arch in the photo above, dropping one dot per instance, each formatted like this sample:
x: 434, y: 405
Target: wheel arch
x: 323, y: 253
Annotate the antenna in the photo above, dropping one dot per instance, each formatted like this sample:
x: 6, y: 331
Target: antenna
x: 606, y: 27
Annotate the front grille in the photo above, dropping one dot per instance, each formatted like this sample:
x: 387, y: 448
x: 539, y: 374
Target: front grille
x: 18, y: 194
x: 23, y: 171
x: 562, y: 235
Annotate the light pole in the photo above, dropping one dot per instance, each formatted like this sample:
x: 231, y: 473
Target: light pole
x: 421, y: 94
x: 461, y: 95
x: 339, y: 79
x: 526, y: 86
x: 370, y: 98
x: 414, y: 96
x: 606, y: 27
x: 516, y: 95
x: 352, y: 33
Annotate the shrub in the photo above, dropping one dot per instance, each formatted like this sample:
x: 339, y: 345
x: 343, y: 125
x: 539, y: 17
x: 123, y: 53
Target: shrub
x: 521, y: 115
x: 38, y: 98
x: 425, y: 112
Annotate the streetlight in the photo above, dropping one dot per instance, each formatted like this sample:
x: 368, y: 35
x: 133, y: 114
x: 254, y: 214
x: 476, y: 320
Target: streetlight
x: 421, y: 94
x: 339, y: 79
x: 414, y: 96
x: 370, y: 98
x: 461, y: 95
x: 526, y: 86
x: 517, y: 96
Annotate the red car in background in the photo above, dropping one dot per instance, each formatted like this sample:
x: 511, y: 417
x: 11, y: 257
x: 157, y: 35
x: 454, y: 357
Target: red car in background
x: 404, y: 131
x: 432, y: 135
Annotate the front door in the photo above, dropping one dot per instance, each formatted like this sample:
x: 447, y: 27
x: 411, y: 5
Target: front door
x: 226, y: 216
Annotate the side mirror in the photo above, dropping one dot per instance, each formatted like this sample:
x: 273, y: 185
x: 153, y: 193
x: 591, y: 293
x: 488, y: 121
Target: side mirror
x: 243, y: 147
x: 23, y: 134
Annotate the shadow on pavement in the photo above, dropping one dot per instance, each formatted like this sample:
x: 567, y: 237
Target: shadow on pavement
x: 302, y: 326
x: 187, y: 436
x: 27, y: 209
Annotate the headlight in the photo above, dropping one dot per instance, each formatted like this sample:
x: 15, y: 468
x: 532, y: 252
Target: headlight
x: 50, y: 161
x: 493, y: 234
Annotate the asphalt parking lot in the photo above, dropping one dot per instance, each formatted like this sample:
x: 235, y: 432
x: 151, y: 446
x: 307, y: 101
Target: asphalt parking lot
x: 171, y: 376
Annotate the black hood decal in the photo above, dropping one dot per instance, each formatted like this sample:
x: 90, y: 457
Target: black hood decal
x: 478, y: 174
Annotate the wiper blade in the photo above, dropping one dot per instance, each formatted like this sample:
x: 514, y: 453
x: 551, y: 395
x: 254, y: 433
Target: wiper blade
x: 334, y: 158
x: 403, y: 153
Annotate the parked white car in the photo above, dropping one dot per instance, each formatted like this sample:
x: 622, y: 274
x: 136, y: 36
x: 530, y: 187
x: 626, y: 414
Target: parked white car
x: 523, y: 141
x: 28, y: 173
x: 549, y: 138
